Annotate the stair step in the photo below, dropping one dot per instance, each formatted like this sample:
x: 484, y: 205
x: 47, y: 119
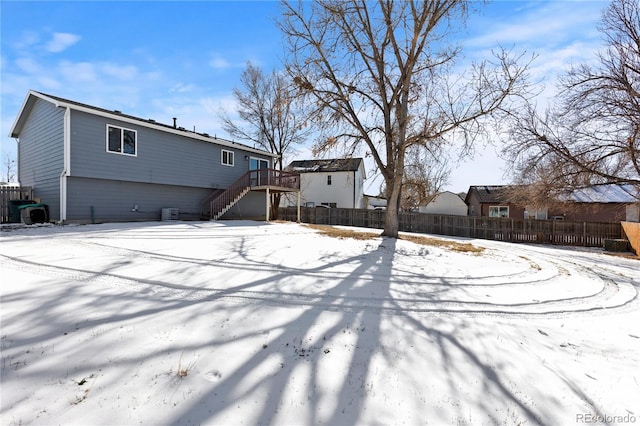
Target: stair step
x: 226, y: 208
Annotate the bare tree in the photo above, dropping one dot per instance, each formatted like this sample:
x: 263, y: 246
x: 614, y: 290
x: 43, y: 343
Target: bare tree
x: 425, y: 175
x: 381, y: 74
x: 269, y: 116
x: 9, y: 169
x: 591, y: 135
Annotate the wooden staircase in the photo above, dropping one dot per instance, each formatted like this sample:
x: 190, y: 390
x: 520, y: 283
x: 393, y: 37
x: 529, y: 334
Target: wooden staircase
x: 220, y: 201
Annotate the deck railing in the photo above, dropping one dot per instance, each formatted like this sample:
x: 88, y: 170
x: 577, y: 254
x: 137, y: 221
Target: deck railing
x: 253, y: 179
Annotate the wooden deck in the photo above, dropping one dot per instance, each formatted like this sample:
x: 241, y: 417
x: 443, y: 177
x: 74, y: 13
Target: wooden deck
x: 267, y: 180
x: 273, y: 180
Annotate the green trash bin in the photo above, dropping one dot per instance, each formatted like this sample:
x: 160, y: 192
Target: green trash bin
x: 14, y: 209
x: 34, y: 213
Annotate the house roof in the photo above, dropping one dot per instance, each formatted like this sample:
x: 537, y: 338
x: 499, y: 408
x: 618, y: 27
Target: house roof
x: 330, y: 165
x: 451, y: 195
x: 33, y: 96
x: 605, y: 194
x: 595, y: 194
x: 488, y: 193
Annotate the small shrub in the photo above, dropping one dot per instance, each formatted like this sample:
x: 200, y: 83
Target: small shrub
x: 184, y: 369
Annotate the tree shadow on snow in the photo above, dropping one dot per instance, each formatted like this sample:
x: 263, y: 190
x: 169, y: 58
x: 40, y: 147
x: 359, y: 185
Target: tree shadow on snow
x: 303, y: 357
x: 340, y: 328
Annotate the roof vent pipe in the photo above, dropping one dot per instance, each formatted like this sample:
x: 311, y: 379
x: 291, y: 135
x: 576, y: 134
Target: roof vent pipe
x: 175, y: 122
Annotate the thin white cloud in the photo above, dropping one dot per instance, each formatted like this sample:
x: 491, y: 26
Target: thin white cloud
x: 550, y: 25
x: 61, y: 41
x: 120, y: 72
x: 78, y: 71
x: 28, y: 65
x: 226, y: 102
x: 49, y: 83
x: 182, y: 88
x: 219, y: 63
x: 26, y: 40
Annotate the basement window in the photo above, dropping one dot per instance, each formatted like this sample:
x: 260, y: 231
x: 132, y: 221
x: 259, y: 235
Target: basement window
x: 498, y: 211
x: 227, y: 157
x: 121, y: 140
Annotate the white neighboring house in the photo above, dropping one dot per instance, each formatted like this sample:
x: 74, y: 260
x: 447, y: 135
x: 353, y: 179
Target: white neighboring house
x: 336, y: 183
x: 446, y: 203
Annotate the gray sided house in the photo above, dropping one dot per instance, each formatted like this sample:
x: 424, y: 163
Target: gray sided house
x: 90, y: 164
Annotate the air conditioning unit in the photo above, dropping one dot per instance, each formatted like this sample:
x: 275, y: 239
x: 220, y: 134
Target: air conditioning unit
x: 170, y: 214
x: 36, y: 213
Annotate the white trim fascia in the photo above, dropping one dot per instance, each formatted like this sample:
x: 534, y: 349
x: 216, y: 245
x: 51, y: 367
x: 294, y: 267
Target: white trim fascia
x: 24, y: 104
x: 183, y: 133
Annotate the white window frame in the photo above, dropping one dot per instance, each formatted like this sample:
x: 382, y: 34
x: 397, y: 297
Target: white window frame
x: 230, y: 154
x: 122, y: 130
x: 499, y: 210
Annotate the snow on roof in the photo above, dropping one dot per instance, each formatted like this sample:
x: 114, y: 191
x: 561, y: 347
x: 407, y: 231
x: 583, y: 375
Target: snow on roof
x: 606, y: 194
x: 488, y: 193
x: 328, y: 165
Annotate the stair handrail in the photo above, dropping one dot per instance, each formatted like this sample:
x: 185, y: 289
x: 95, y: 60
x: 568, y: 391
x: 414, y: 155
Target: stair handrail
x: 253, y: 178
x: 234, y: 190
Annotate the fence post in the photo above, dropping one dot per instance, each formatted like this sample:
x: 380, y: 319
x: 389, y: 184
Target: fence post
x: 541, y: 231
x: 474, y: 227
x: 511, y: 231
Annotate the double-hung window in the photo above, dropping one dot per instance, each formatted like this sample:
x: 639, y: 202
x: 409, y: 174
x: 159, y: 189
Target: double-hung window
x: 121, y: 140
x: 498, y: 211
x: 227, y: 157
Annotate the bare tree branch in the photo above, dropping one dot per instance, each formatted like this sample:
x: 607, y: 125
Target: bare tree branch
x: 269, y: 114
x: 380, y: 73
x: 591, y: 136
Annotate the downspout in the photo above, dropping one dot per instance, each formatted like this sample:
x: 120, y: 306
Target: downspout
x: 66, y: 165
x: 354, y: 189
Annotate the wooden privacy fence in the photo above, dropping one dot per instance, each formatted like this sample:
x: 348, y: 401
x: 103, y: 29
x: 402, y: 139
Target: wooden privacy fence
x: 587, y: 234
x: 11, y: 193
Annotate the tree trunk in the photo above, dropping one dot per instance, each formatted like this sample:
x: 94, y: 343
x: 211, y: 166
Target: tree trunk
x: 274, y: 213
x: 391, y: 224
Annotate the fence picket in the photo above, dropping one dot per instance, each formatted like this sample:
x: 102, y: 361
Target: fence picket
x: 587, y: 234
x: 11, y: 193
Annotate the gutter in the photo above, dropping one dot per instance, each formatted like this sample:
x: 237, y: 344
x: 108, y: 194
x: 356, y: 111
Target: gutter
x: 66, y: 164
x: 354, y: 189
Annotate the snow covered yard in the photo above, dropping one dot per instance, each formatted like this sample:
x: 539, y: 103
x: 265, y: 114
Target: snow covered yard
x: 255, y: 323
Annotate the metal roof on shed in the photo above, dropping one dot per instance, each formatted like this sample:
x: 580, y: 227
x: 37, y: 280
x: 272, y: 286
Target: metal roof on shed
x: 605, y: 194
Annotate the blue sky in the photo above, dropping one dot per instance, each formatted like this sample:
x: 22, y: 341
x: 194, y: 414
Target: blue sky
x: 164, y: 59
